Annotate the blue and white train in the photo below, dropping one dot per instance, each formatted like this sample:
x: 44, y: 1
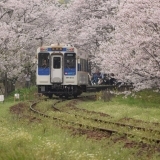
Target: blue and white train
x: 61, y: 70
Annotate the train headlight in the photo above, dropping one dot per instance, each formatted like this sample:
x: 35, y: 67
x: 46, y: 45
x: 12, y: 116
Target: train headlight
x: 70, y: 49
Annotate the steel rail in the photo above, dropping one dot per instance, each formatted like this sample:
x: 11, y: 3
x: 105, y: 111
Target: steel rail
x: 110, y: 131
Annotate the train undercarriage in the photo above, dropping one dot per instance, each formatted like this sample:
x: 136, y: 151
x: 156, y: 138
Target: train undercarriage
x: 61, y: 90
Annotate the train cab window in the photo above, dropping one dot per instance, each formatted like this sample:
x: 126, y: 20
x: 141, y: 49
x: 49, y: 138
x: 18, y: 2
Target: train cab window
x: 43, y: 60
x: 56, y: 62
x: 70, y: 60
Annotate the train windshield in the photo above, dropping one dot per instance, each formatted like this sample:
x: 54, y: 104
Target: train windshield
x: 70, y: 60
x: 43, y: 60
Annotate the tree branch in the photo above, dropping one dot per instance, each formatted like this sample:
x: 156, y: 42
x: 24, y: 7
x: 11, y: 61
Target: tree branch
x: 146, y: 51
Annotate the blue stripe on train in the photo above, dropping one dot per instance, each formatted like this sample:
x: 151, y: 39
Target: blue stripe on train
x: 70, y: 71
x: 43, y: 71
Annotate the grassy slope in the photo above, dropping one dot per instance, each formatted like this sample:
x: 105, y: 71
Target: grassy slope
x: 144, y: 105
x: 24, y: 140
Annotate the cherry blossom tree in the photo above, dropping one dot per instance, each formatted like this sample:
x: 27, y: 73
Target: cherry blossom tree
x: 87, y: 24
x: 121, y: 36
x: 22, y: 23
x: 134, y: 52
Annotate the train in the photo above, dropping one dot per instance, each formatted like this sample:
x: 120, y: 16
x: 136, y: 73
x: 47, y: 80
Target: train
x: 62, y: 70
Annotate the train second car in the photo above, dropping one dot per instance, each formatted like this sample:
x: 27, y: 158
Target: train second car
x: 61, y: 70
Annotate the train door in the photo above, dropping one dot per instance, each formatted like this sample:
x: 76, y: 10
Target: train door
x: 56, y: 69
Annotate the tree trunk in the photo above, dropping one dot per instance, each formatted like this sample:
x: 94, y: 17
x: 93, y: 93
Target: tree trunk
x: 5, y: 85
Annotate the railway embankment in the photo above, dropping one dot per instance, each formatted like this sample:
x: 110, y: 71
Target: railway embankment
x: 121, y: 127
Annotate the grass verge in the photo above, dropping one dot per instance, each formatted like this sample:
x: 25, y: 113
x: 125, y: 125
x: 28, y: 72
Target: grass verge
x: 25, y: 140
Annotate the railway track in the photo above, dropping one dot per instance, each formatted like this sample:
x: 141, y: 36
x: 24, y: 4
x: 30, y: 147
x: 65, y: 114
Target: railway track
x: 77, y: 118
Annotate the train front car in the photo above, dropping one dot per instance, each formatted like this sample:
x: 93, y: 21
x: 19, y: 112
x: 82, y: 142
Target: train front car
x: 59, y: 71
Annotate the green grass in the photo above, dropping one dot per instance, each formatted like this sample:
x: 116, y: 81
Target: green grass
x: 144, y: 105
x: 144, y: 99
x: 21, y: 139
x: 23, y: 92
